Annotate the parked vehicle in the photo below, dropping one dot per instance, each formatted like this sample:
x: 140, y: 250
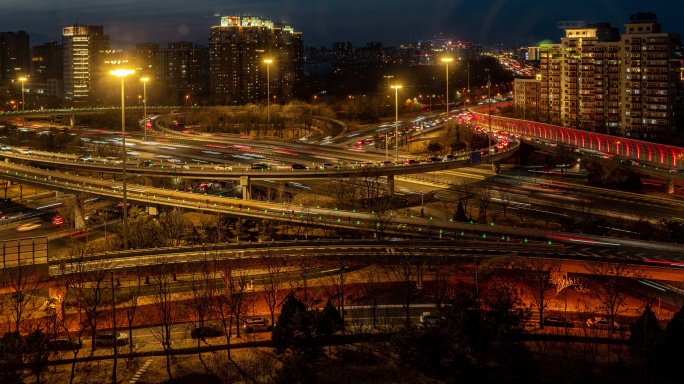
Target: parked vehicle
x: 63, y: 345
x: 557, y: 321
x: 298, y: 166
x: 598, y: 322
x: 109, y: 339
x: 206, y: 331
x: 429, y: 319
x: 256, y: 324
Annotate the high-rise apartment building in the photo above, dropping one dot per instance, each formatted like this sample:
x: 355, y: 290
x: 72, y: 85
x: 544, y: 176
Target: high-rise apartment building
x: 237, y: 49
x: 627, y: 85
x: 651, y: 60
x: 84, y: 47
x: 48, y: 61
x: 15, y: 59
x: 526, y: 97
x: 184, y: 67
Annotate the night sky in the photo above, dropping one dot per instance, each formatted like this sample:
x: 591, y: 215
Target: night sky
x: 393, y: 22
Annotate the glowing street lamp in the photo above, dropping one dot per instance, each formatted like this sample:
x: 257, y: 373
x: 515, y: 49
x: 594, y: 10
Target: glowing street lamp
x: 396, y: 122
x: 121, y: 73
x: 447, y: 60
x: 268, y: 92
x: 186, y: 100
x: 145, y: 80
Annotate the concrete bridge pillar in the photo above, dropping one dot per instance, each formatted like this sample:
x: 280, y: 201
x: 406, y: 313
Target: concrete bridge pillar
x: 79, y: 220
x: 669, y: 187
x: 419, y: 277
x: 246, y: 188
x: 496, y: 166
x: 390, y: 185
x: 59, y: 195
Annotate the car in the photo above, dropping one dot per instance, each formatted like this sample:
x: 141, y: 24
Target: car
x: 325, y: 166
x: 259, y: 166
x: 429, y: 319
x: 367, y: 164
x: 220, y: 168
x: 28, y: 227
x: 147, y: 163
x: 412, y: 162
x: 386, y: 163
x: 298, y: 166
x: 206, y: 331
x: 109, y: 339
x: 63, y: 345
x: 256, y: 324
x: 557, y: 321
x: 598, y: 322
x: 448, y: 157
x: 433, y: 160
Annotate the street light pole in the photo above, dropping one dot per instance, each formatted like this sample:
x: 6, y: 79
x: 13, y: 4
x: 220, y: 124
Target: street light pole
x: 468, y: 93
x: 447, y: 60
x: 396, y: 122
x: 268, y: 92
x: 489, y: 109
x: 145, y: 80
x: 22, y: 79
x: 123, y: 73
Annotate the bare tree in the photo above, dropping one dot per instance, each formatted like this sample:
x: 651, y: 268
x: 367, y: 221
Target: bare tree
x: 538, y: 277
x: 91, y: 286
x: 505, y: 196
x: 401, y: 273
x: 131, y: 309
x: 203, y: 291
x: 372, y: 289
x: 22, y: 287
x: 274, y: 281
x: 165, y: 310
x: 174, y: 226
x: 607, y: 285
x: 484, y: 196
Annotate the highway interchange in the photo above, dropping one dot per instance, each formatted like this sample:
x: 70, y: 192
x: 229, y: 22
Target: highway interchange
x: 212, y: 158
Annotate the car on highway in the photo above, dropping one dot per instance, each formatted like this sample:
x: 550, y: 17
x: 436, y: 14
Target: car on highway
x: 256, y: 324
x: 557, y: 321
x: 448, y: 157
x: 221, y: 168
x: 28, y: 227
x: 63, y: 345
x: 598, y: 322
x: 259, y: 167
x: 205, y: 332
x: 298, y: 166
x: 147, y: 163
x: 386, y: 163
x: 110, y: 339
x: 433, y: 160
x: 325, y: 166
x: 412, y: 162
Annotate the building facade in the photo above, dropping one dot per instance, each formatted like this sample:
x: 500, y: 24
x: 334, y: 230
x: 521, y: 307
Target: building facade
x: 84, y: 47
x: 526, y: 97
x: 237, y: 50
x: 48, y: 61
x: 15, y: 59
x: 628, y: 84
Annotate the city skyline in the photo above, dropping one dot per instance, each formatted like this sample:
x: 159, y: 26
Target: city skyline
x: 526, y: 22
